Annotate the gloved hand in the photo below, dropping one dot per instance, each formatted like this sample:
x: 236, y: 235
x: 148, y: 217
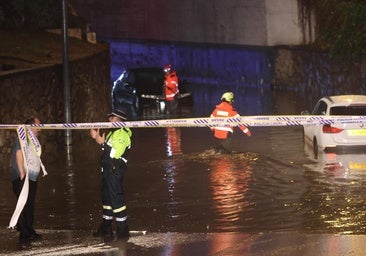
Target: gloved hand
x: 247, y: 132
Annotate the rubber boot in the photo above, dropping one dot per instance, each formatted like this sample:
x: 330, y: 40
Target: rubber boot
x: 123, y: 231
x: 105, y: 229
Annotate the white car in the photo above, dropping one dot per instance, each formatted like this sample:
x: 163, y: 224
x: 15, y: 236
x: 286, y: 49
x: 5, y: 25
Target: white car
x: 337, y: 137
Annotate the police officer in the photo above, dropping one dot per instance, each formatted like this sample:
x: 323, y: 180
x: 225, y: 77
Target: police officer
x: 115, y: 146
x: 223, y: 134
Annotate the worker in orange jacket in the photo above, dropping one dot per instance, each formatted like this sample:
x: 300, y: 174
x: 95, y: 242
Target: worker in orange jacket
x: 171, y: 89
x: 223, y: 134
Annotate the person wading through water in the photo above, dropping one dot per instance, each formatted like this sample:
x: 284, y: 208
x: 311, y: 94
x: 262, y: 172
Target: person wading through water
x: 223, y: 134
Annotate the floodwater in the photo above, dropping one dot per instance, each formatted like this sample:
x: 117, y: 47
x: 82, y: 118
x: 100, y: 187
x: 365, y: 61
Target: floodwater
x: 176, y: 183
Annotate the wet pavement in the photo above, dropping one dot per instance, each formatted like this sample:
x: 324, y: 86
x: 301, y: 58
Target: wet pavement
x: 66, y: 242
x: 267, y: 198
x: 73, y: 242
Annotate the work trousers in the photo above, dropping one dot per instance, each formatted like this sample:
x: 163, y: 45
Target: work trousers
x: 26, y: 218
x: 224, y: 145
x: 113, y: 197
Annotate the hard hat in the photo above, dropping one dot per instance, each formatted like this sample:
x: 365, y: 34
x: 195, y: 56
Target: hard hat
x: 167, y: 68
x: 228, y: 96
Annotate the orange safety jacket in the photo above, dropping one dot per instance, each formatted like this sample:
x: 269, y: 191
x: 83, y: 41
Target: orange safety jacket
x: 171, y: 85
x: 225, y: 109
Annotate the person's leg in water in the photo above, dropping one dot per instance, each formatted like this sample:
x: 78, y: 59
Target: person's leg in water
x: 29, y: 214
x: 224, y: 145
x: 105, y: 228
x: 24, y: 235
x: 119, y: 203
x: 227, y: 145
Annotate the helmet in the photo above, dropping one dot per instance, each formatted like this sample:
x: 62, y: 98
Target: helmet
x: 228, y: 96
x: 167, y: 68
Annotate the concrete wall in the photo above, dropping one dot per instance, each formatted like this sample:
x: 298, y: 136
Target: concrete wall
x: 240, y: 22
x: 283, y: 24
x: 314, y: 74
x: 39, y: 92
x: 197, y: 63
x: 317, y: 74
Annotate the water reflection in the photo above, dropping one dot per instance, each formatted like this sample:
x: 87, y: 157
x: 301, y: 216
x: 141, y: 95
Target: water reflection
x: 336, y: 196
x: 229, y: 183
x: 171, y: 249
x: 220, y: 243
x: 58, y: 193
x: 70, y: 195
x: 338, y: 165
x: 173, y: 139
x: 171, y: 167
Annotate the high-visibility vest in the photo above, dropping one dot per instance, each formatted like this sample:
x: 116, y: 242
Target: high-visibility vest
x: 171, y: 85
x: 120, y: 142
x: 225, y: 109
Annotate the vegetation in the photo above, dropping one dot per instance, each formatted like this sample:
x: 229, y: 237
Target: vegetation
x: 23, y: 24
x: 35, y: 14
x: 340, y: 26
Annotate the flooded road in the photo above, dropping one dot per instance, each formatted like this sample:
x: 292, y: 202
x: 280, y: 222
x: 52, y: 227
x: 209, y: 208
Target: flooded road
x: 176, y: 183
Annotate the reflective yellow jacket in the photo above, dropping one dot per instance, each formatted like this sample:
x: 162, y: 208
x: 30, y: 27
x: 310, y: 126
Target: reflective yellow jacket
x: 119, y: 141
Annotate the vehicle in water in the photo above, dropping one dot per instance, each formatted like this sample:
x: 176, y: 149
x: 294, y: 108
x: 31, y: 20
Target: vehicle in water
x: 337, y: 137
x: 137, y: 88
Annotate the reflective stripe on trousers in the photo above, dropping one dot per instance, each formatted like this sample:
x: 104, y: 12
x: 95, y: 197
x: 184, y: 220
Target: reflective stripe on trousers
x: 114, y: 204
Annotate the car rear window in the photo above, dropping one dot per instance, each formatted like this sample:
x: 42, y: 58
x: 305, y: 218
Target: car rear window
x: 348, y: 111
x: 149, y: 78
